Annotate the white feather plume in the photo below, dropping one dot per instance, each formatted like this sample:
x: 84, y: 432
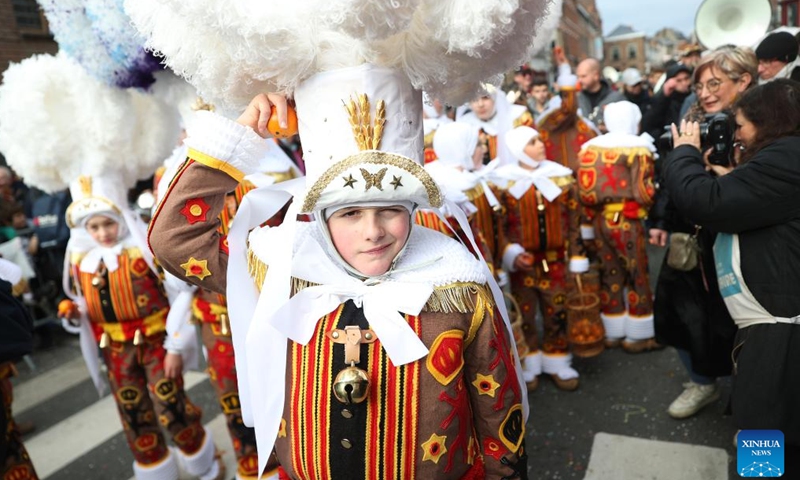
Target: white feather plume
x: 546, y: 31
x: 231, y: 51
x: 370, y: 21
x: 57, y: 122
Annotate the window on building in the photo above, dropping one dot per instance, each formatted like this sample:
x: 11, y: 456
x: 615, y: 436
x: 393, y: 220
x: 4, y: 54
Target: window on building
x: 615, y: 53
x: 29, y: 16
x: 632, y: 52
x: 789, y: 12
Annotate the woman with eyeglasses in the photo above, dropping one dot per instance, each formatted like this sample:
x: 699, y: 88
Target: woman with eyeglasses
x: 690, y: 314
x: 756, y: 210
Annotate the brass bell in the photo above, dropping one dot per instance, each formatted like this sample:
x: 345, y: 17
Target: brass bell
x: 351, y: 385
x: 98, y: 282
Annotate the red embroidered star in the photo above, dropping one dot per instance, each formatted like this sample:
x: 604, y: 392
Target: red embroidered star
x: 195, y: 210
x: 196, y: 268
x: 223, y: 244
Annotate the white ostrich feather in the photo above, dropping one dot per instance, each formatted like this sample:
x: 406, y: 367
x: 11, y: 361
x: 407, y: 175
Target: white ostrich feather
x: 547, y: 29
x: 232, y: 50
x: 57, y: 122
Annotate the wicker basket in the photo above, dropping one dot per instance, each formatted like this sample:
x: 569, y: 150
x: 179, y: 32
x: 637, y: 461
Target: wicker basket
x: 515, y: 314
x: 584, y: 325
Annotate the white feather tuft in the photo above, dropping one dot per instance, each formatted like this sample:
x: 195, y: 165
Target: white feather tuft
x: 546, y: 31
x: 370, y: 21
x: 231, y: 51
x: 57, y: 122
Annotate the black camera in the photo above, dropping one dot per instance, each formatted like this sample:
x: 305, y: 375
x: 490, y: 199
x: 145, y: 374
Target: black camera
x: 716, y: 133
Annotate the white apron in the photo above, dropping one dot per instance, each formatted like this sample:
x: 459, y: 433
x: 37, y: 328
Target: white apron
x: 742, y: 305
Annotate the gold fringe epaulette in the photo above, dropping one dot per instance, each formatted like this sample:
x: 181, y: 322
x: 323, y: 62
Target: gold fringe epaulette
x: 256, y: 268
x: 461, y: 297
x: 563, y: 181
x: 475, y: 192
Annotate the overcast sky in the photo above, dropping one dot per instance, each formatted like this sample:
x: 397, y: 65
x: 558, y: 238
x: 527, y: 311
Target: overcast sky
x: 648, y: 16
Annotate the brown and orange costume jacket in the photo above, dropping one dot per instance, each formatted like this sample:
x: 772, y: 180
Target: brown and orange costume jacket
x: 563, y: 131
x: 211, y: 307
x: 616, y: 181
x: 131, y: 298
x: 453, y: 414
x: 548, y: 230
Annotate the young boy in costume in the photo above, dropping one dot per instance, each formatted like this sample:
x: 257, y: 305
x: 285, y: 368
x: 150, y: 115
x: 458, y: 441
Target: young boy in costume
x: 615, y: 182
x: 429, y: 392
x: 539, y: 231
x: 122, y: 297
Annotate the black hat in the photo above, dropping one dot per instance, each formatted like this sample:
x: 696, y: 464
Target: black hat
x: 676, y: 69
x: 778, y: 46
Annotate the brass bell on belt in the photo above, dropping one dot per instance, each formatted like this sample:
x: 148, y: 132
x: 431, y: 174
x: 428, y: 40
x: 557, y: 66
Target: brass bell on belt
x: 98, y: 282
x: 351, y: 385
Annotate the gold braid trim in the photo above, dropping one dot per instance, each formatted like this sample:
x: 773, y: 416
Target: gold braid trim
x: 377, y: 158
x: 631, y: 152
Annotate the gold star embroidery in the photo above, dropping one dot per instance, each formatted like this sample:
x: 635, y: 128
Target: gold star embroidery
x: 434, y: 448
x: 485, y: 384
x: 396, y: 182
x: 142, y: 300
x: 282, y: 430
x: 196, y: 268
x: 373, y: 179
x: 349, y: 181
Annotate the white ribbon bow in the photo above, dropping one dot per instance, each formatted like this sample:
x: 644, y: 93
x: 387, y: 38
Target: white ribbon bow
x: 541, y: 178
x: 91, y: 261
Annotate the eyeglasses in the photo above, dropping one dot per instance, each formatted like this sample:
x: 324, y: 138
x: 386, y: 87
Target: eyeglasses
x: 712, y: 86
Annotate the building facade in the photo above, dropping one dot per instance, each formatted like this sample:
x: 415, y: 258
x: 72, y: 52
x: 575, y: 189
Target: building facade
x: 23, y: 31
x: 625, y: 47
x: 580, y: 32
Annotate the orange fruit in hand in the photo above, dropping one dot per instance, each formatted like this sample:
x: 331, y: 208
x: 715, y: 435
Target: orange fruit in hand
x: 66, y: 308
x: 274, y: 127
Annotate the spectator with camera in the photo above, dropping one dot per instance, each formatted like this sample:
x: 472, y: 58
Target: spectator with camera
x: 756, y: 210
x: 690, y: 314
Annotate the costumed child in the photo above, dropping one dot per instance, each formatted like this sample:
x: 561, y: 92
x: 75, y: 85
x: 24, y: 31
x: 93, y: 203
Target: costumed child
x: 369, y: 349
x: 563, y: 128
x: 458, y: 151
x: 434, y: 391
x: 615, y: 182
x: 494, y: 116
x: 126, y: 305
x: 68, y: 128
x: 539, y: 232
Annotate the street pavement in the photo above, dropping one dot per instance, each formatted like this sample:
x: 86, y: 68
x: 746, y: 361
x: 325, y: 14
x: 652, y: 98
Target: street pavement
x: 615, y: 426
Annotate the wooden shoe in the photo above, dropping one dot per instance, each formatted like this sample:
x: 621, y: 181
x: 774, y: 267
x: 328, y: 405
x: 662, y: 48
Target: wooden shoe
x: 533, y: 384
x: 568, y: 385
x: 639, y: 346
